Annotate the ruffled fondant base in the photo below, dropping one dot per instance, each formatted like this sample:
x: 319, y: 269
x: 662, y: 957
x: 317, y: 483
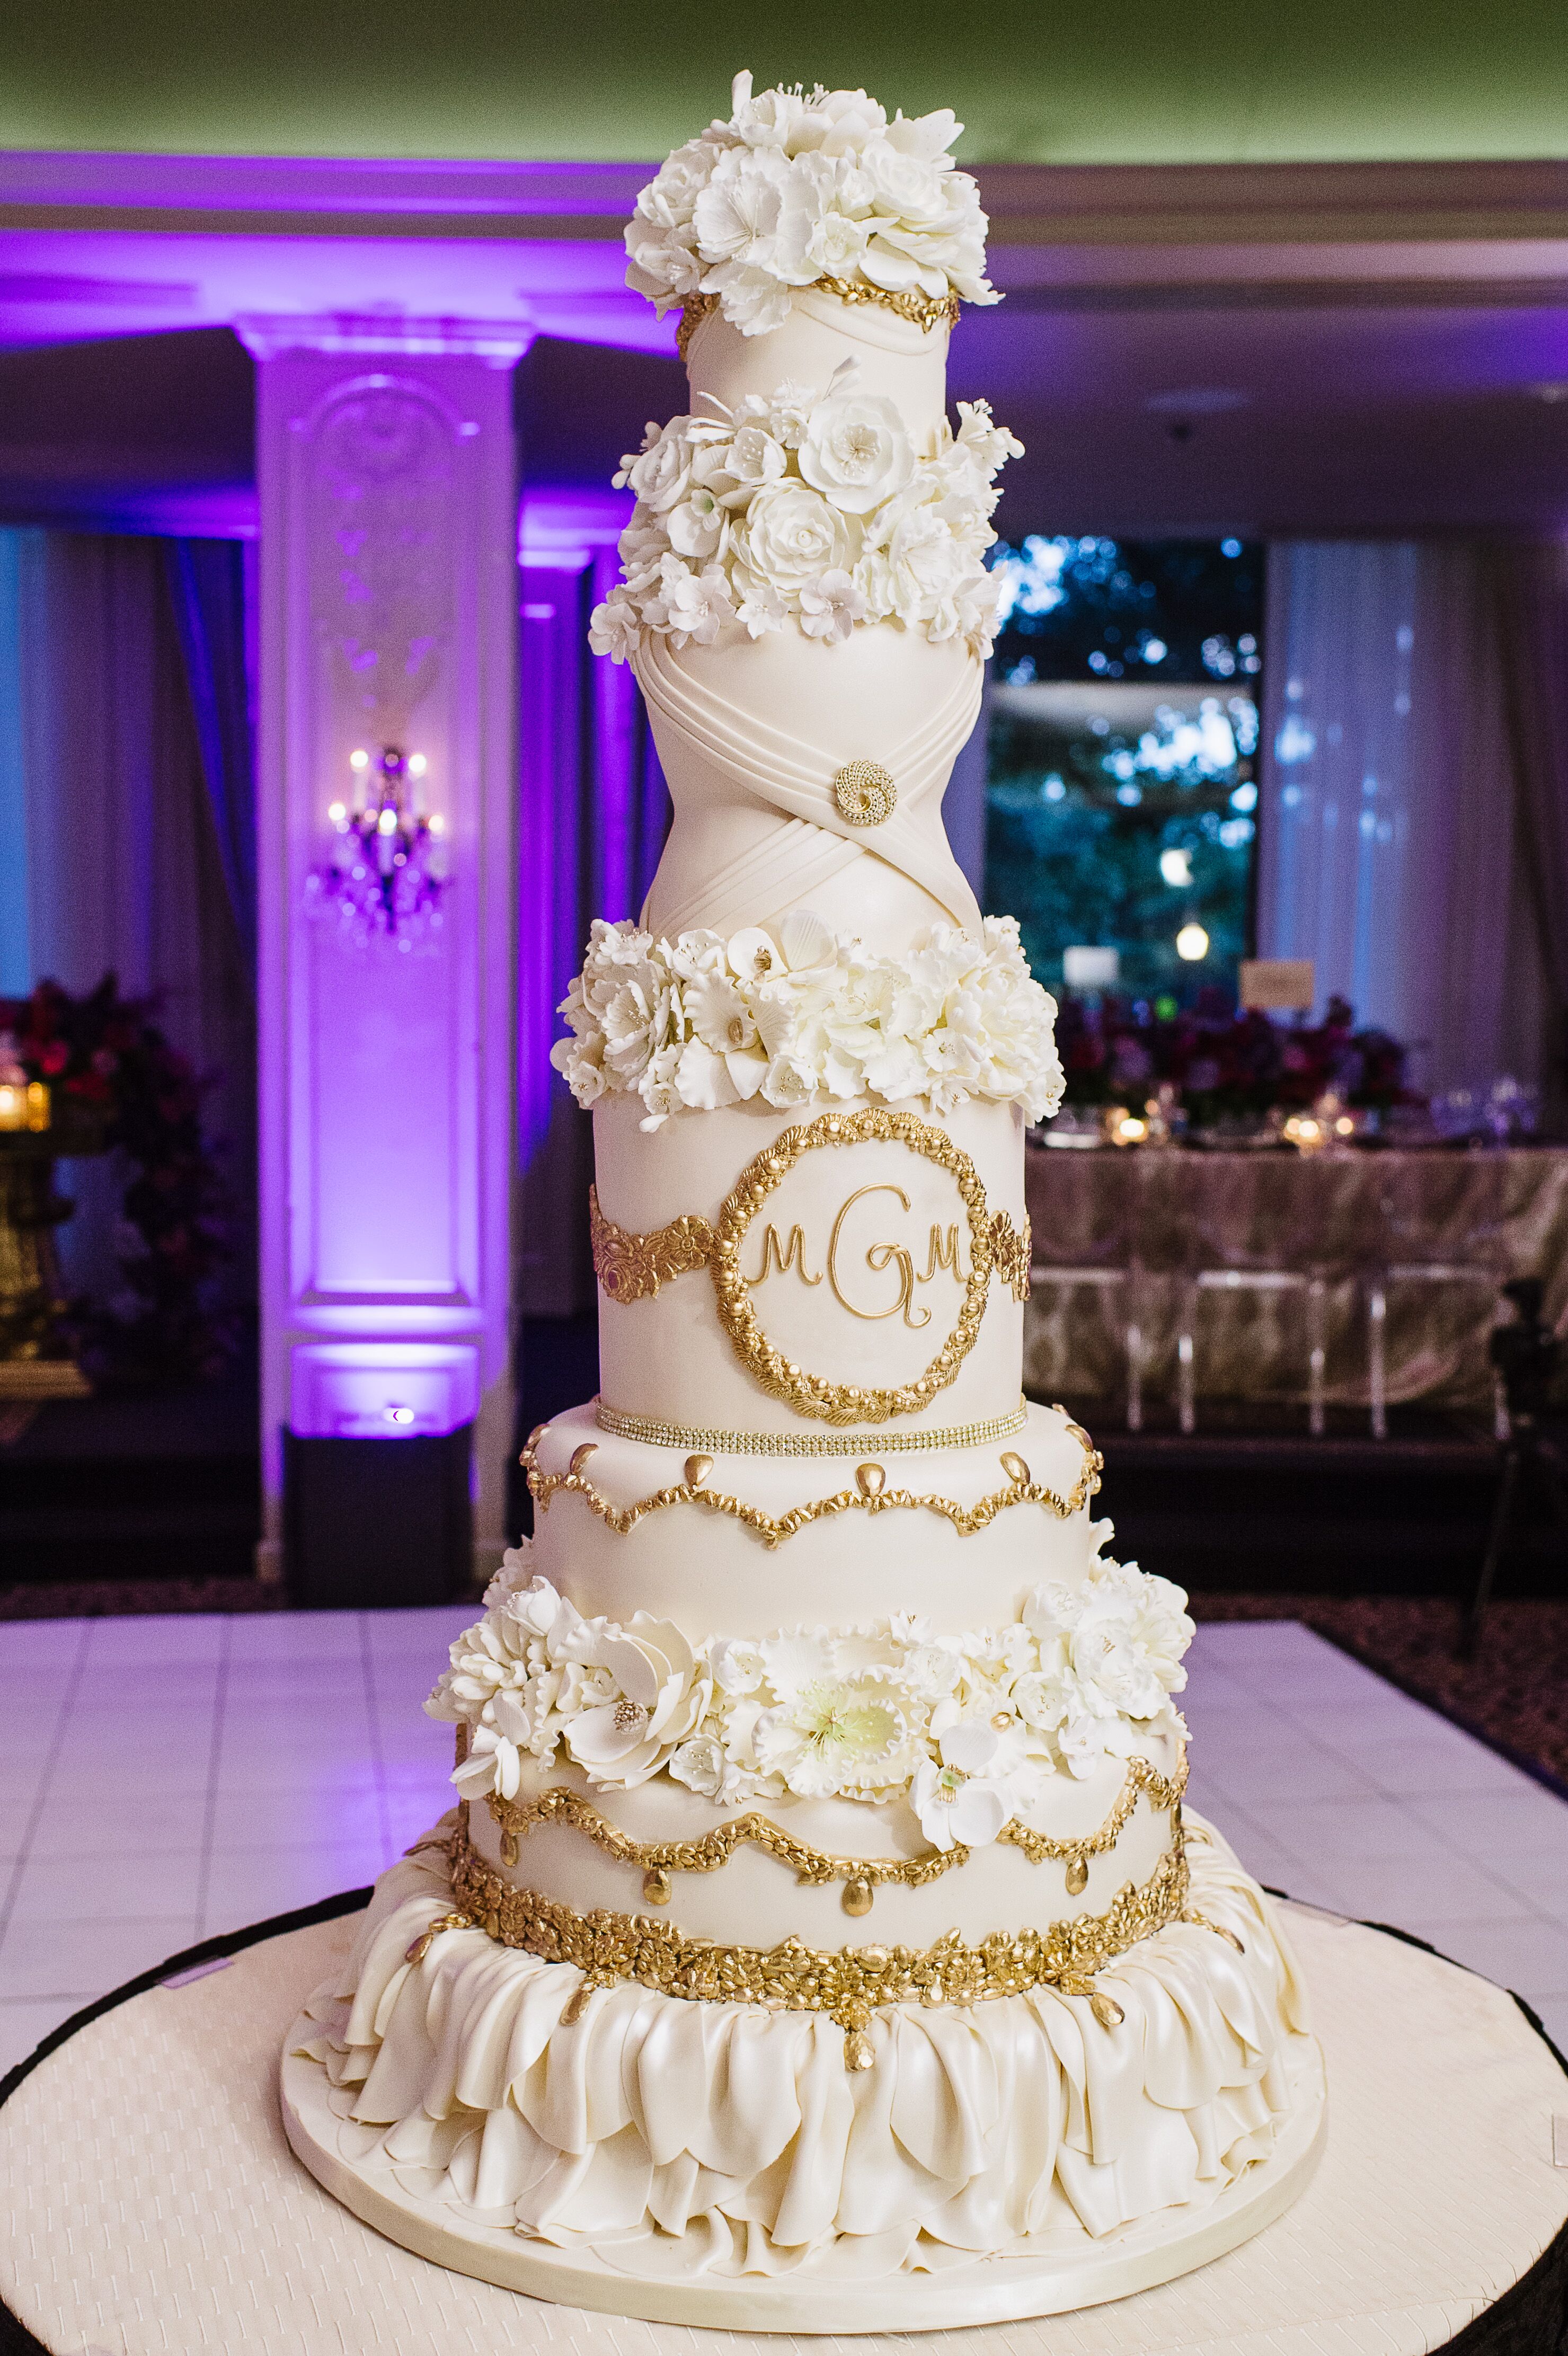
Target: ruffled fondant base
x: 674, y: 2139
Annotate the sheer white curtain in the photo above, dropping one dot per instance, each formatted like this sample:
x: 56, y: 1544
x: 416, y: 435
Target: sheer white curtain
x: 1389, y: 850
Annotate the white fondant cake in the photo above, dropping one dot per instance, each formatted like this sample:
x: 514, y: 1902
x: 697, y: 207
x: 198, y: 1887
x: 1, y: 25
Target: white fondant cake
x: 818, y: 1903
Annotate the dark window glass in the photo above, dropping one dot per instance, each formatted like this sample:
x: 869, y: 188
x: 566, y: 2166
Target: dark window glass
x: 1121, y: 796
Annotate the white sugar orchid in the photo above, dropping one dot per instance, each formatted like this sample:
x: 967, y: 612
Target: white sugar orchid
x: 961, y: 1798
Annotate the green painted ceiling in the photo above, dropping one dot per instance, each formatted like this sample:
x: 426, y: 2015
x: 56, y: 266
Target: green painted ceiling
x: 1034, y: 80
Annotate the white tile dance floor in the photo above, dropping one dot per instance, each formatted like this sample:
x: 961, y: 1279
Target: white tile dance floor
x: 164, y: 1780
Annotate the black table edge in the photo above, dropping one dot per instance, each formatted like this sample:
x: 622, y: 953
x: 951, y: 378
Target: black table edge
x: 1530, y: 2319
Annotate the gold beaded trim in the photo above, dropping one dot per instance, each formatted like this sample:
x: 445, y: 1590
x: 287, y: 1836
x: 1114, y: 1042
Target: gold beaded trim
x: 849, y: 1984
x: 861, y: 1876
x: 869, y: 1496
x: 696, y: 1439
x: 632, y: 1267
x: 927, y: 311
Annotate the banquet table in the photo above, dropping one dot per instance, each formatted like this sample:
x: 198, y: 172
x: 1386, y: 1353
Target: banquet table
x: 1172, y: 1240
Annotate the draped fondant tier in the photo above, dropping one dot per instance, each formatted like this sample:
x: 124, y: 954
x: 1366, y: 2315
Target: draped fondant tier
x: 696, y: 2139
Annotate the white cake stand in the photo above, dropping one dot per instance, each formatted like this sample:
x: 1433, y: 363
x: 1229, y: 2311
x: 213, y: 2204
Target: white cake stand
x: 153, y: 2204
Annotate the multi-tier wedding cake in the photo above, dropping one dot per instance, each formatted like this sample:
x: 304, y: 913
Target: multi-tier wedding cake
x: 818, y: 1942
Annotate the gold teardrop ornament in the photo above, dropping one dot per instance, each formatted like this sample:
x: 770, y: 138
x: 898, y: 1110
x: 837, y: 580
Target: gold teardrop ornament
x: 1077, y: 1877
x: 1017, y: 1472
x: 1106, y: 2010
x: 576, y: 2004
x: 869, y: 1479
x: 697, y: 1471
x: 864, y: 792
x: 858, y: 1896
x: 857, y: 2052
x: 656, y: 1886
x: 581, y: 1455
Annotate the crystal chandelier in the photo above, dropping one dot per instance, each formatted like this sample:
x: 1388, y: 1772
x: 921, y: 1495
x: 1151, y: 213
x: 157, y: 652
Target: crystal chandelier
x: 381, y: 882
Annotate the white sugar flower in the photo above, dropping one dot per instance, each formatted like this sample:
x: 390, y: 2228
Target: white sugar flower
x: 702, y: 1763
x: 791, y: 536
x: 830, y: 607
x: 836, y: 1733
x: 963, y: 1802
x: 857, y: 451
x: 660, y: 1696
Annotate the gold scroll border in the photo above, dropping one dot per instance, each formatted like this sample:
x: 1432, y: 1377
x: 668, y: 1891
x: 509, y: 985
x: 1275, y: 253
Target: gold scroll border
x: 870, y: 1496
x: 927, y: 311
x: 815, y: 1867
x: 687, y: 1241
x: 847, y: 1982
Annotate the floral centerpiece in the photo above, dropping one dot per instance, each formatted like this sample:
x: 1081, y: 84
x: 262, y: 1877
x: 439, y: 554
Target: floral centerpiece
x: 1225, y: 1068
x: 807, y: 188
x: 812, y: 507
x: 970, y: 1728
x: 701, y: 1022
x: 115, y: 1081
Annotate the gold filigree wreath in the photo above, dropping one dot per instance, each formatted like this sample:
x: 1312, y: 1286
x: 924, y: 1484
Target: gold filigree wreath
x: 870, y: 1494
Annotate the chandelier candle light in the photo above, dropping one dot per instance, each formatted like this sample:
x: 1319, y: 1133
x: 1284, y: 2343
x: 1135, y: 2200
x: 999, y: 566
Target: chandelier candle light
x: 382, y: 880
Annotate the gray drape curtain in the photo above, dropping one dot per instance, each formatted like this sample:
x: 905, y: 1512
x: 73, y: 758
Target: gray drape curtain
x: 112, y: 849
x: 1393, y: 849
x: 1529, y: 586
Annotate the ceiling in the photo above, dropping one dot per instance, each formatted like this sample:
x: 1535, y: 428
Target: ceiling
x: 1044, y: 80
x: 1307, y: 350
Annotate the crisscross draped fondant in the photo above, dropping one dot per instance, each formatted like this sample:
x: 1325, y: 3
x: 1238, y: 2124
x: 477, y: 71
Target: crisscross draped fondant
x: 787, y: 773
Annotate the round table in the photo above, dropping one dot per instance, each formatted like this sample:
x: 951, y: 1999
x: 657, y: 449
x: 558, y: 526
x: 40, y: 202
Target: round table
x: 153, y: 2204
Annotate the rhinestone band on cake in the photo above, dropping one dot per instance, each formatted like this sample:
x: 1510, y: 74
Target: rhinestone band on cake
x: 692, y: 1440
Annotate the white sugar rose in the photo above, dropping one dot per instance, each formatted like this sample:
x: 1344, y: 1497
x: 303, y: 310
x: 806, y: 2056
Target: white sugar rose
x: 659, y: 475
x: 791, y: 536
x: 905, y: 186
x: 856, y: 452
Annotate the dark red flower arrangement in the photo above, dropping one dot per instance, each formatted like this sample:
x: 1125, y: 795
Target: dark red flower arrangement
x: 114, y: 1080
x: 1225, y: 1065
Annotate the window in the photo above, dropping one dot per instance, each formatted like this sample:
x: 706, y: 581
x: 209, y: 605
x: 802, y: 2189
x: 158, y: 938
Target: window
x: 1121, y: 799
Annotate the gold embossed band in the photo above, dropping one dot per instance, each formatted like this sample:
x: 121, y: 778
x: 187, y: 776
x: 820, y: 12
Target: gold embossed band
x: 927, y: 311
x: 702, y: 1440
x: 848, y: 1983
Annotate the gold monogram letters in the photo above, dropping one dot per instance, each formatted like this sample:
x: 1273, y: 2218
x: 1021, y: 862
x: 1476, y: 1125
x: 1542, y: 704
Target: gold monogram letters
x: 632, y: 1267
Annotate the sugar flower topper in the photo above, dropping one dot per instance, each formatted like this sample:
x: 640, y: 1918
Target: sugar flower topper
x: 800, y: 186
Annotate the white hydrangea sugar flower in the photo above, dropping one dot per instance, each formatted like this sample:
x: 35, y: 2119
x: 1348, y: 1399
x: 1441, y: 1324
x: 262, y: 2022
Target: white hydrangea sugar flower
x: 805, y: 1013
x: 798, y: 185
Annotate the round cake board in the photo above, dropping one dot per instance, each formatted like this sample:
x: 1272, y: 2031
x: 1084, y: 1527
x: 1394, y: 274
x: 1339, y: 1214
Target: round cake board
x: 153, y: 2203
x: 997, y: 2290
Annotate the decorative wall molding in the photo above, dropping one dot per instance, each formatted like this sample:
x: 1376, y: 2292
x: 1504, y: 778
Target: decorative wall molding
x: 388, y: 505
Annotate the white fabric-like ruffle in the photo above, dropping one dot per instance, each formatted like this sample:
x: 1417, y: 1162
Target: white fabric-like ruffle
x: 685, y: 2137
